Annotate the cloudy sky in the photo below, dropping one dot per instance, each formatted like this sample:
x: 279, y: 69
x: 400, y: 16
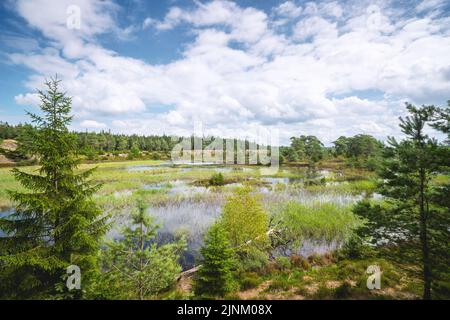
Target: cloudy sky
x: 327, y: 68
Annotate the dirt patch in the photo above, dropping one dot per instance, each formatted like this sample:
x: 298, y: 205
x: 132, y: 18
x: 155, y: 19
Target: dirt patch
x: 5, y: 160
x: 332, y: 284
x: 395, y: 294
x: 307, y: 278
x: 9, y: 144
x: 312, y: 288
x: 253, y: 293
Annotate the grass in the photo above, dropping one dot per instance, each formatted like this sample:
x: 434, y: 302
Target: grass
x: 7, y: 182
x: 325, y: 221
x: 352, y: 187
x: 441, y: 179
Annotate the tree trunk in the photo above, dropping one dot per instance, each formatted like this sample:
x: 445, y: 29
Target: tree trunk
x: 424, y: 240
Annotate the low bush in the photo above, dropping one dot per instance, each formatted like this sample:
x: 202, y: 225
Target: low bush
x: 217, y: 179
x: 283, y: 263
x: 300, y: 262
x: 249, y: 280
x: 343, y: 291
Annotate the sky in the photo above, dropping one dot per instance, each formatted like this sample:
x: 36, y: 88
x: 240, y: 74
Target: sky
x: 325, y: 68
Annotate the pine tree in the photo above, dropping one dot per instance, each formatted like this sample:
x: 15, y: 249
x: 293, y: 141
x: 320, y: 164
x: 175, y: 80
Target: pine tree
x: 214, y: 277
x: 56, y: 223
x: 134, y: 265
x: 413, y: 221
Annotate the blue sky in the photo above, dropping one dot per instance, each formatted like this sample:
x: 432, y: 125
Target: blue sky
x: 326, y: 68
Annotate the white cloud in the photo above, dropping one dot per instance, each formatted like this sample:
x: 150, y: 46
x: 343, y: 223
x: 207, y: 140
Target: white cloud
x: 148, y: 22
x: 92, y: 124
x: 343, y: 70
x: 332, y: 9
x: 28, y: 99
x: 288, y: 9
x: 316, y: 27
x: 430, y: 4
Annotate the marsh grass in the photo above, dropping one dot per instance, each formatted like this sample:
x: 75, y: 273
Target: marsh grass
x: 321, y: 221
x: 354, y: 187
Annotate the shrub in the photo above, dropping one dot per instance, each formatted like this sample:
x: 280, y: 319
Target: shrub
x: 279, y: 284
x: 324, y: 293
x: 253, y: 260
x: 246, y: 224
x: 249, y: 280
x: 316, y: 259
x: 355, y: 248
x: 343, y: 291
x: 283, y: 263
x: 300, y: 262
x: 217, y: 179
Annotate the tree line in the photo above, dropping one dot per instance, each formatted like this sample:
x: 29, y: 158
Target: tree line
x: 360, y: 150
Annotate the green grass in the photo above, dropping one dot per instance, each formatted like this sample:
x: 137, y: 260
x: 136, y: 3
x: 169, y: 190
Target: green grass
x: 7, y: 182
x: 352, y: 187
x: 441, y: 179
x: 317, y: 221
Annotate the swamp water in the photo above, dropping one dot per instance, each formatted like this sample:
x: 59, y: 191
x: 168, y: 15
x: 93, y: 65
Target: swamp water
x: 190, y: 210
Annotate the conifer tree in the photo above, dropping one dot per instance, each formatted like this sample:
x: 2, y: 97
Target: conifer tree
x: 214, y: 277
x: 415, y: 219
x: 55, y: 223
x: 135, y: 266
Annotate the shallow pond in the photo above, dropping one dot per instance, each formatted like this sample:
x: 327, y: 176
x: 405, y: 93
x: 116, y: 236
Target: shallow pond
x: 190, y: 210
x: 183, y: 168
x: 198, y: 208
x: 4, y: 213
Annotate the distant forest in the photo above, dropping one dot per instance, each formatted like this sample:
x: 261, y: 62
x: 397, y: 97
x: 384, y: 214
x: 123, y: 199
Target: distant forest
x: 360, y: 150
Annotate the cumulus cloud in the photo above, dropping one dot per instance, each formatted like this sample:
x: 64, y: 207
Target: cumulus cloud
x: 336, y: 68
x: 28, y: 99
x: 92, y: 124
x: 288, y: 9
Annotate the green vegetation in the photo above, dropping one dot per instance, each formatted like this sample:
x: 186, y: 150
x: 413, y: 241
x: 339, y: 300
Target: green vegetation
x: 247, y: 227
x: 416, y: 218
x: 361, y: 151
x: 214, y: 277
x: 134, y: 267
x: 305, y: 148
x: 56, y: 222
x: 217, y: 179
x: 315, y: 222
x: 308, y: 231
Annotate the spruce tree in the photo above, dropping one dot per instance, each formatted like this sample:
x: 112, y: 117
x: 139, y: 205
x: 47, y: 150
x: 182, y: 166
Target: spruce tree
x: 135, y: 266
x: 214, y: 278
x: 55, y: 223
